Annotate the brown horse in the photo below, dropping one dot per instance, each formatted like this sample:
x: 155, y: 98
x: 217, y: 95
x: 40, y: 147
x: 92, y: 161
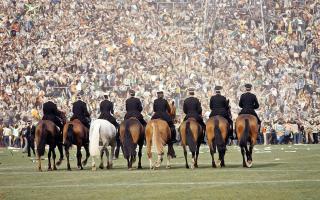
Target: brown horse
x: 158, y: 132
x: 131, y: 135
x: 191, y: 134
x: 217, y: 131
x: 47, y: 133
x: 247, y: 132
x: 75, y: 133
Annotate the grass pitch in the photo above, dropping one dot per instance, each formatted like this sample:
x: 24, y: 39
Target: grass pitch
x: 278, y: 172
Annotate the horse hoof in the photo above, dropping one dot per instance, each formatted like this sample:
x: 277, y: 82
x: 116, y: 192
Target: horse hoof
x: 168, y: 167
x: 218, y: 164
x: 130, y: 169
x: 196, y: 165
x: 58, y: 163
x: 54, y: 168
x: 94, y: 169
x: 49, y: 169
x: 84, y: 163
x: 187, y: 166
x: 214, y: 166
x: 249, y: 164
x: 101, y: 166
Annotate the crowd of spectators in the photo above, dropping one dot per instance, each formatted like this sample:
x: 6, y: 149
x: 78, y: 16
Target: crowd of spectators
x: 59, y: 48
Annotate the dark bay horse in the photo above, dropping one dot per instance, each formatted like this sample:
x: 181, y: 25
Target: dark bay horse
x: 217, y: 131
x: 247, y: 132
x: 48, y: 133
x: 75, y: 133
x: 191, y: 134
x: 131, y: 135
x: 158, y: 133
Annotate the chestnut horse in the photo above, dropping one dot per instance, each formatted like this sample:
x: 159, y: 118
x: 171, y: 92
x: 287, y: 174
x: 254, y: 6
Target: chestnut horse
x: 48, y: 133
x: 191, y: 134
x: 75, y: 133
x: 158, y: 133
x: 247, y: 132
x: 217, y: 131
x: 131, y: 135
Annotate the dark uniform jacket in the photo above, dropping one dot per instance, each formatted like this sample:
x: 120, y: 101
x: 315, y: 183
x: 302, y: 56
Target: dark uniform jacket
x: 134, y: 109
x: 80, y: 112
x: 219, y: 106
x: 192, y: 108
x: 161, y: 110
x: 30, y: 133
x: 106, y: 109
x: 51, y: 112
x: 248, y: 102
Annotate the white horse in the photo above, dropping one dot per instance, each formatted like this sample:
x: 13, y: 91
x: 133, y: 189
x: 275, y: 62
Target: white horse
x: 102, y: 130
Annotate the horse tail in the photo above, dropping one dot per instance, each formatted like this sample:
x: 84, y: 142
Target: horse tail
x: 41, y: 143
x: 190, y: 140
x: 70, y: 138
x: 218, y: 140
x: 94, y: 137
x: 128, y: 145
x: 245, y: 135
x: 149, y: 137
x: 157, y: 138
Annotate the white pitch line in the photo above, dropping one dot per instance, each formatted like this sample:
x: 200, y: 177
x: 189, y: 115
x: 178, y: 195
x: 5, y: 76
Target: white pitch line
x: 158, y: 171
x: 130, y: 184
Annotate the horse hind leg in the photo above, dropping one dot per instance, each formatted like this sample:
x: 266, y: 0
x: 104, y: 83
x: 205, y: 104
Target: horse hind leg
x: 244, y: 164
x: 108, y: 158
x: 49, y: 160
x: 61, y: 154
x: 54, y: 159
x: 193, y: 160
x: 101, y: 166
x: 249, y: 156
x: 185, y: 156
x: 197, y: 155
x: 86, y: 147
x: 212, y: 156
x: 222, y: 151
x: 68, y: 158
x: 79, y: 155
x: 93, y: 164
x: 140, y: 155
x: 39, y: 163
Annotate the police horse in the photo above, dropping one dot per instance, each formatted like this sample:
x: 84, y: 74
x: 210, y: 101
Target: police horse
x: 102, y: 131
x: 131, y: 136
x: 247, y: 132
x: 75, y: 133
x: 158, y: 134
x: 191, y: 135
x: 217, y: 131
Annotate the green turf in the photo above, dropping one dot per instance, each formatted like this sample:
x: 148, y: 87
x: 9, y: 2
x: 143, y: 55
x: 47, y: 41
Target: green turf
x: 284, y: 172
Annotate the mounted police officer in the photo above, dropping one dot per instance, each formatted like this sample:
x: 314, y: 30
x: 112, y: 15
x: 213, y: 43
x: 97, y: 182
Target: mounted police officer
x: 51, y: 112
x: 134, y: 108
x: 107, y: 112
x: 80, y: 112
x: 249, y: 102
x: 161, y: 110
x: 192, y: 108
x: 219, y: 105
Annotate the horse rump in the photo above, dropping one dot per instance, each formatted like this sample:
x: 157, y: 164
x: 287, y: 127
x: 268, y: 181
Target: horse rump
x: 41, y: 141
